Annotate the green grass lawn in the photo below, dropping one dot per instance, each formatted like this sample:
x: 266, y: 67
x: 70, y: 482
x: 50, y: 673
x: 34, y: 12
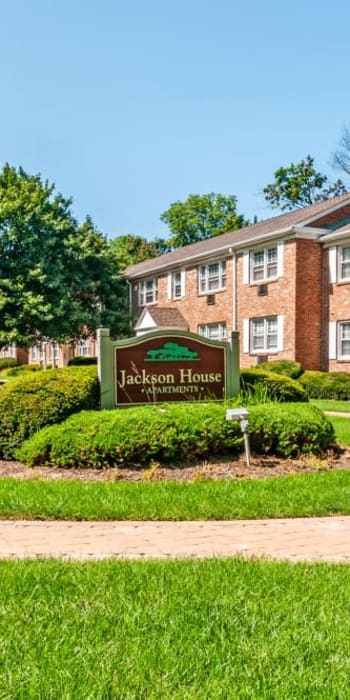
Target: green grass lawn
x: 331, y: 405
x: 342, y: 429
x: 313, y: 494
x: 173, y: 630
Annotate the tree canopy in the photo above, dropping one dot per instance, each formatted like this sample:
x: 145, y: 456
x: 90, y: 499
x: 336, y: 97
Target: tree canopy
x: 200, y: 217
x: 300, y: 184
x: 57, y: 279
x: 130, y: 249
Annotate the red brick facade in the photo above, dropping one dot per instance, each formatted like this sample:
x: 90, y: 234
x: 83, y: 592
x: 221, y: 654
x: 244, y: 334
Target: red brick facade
x: 298, y: 308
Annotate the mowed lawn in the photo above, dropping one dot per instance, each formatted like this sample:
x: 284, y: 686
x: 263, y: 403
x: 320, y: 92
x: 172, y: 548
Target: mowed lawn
x: 182, y: 629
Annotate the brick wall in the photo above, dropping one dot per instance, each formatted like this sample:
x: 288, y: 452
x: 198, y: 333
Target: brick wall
x: 338, y: 295
x: 308, y: 304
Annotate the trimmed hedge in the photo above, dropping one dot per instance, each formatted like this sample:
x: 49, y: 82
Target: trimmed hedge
x: 80, y: 361
x: 175, y: 432
x: 32, y: 401
x: 288, y: 368
x: 326, y: 385
x: 276, y: 387
x: 6, y: 362
x: 21, y: 369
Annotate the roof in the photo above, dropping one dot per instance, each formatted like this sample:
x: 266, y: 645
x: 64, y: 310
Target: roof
x: 164, y: 317
x: 284, y: 223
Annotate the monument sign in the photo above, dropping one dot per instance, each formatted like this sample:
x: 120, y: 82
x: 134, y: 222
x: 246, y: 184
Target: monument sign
x: 166, y: 366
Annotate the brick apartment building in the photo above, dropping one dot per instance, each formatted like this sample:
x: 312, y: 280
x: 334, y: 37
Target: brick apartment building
x: 283, y: 283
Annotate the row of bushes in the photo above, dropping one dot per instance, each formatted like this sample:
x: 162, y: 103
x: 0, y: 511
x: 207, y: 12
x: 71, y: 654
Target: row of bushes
x: 171, y: 433
x: 316, y: 385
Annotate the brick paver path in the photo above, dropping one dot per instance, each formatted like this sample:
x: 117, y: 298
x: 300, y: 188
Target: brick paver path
x: 300, y: 539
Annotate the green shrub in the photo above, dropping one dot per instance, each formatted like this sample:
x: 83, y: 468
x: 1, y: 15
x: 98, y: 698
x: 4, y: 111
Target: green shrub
x: 82, y: 361
x: 174, y: 433
x: 6, y: 362
x: 326, y: 385
x: 276, y: 386
x: 32, y: 401
x: 21, y: 369
x: 289, y: 368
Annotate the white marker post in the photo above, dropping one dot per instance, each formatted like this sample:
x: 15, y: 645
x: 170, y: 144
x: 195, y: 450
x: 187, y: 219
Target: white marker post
x: 242, y: 415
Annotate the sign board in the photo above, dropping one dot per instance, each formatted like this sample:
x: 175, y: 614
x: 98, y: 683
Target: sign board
x: 166, y: 366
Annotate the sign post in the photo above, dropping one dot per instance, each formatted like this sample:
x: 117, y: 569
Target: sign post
x: 165, y: 366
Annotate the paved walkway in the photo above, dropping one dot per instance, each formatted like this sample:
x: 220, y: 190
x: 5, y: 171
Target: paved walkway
x: 300, y: 539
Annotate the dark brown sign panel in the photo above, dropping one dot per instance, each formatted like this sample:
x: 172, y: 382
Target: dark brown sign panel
x: 169, y: 368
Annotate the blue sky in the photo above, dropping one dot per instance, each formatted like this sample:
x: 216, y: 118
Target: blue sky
x: 129, y: 106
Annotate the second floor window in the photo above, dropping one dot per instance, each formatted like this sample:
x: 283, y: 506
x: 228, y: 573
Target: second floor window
x: 212, y: 277
x: 263, y: 264
x: 176, y: 284
x: 148, y: 291
x: 344, y: 263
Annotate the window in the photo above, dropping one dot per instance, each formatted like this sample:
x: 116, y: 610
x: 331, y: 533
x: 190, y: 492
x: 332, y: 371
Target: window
x: 344, y: 340
x: 148, y: 291
x: 263, y: 264
x: 213, y: 331
x: 264, y: 334
x: 54, y: 351
x: 9, y: 351
x: 36, y: 353
x: 82, y: 348
x: 176, y: 284
x: 344, y: 263
x: 212, y: 277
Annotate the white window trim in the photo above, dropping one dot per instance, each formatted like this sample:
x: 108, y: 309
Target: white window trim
x: 82, y: 348
x: 248, y: 336
x: 205, y: 277
x: 339, y: 276
x: 143, y: 291
x: 204, y: 330
x: 36, y: 353
x: 339, y: 355
x: 172, y: 284
x: 248, y: 267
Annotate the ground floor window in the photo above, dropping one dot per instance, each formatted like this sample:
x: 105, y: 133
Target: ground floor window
x: 213, y: 331
x: 36, y: 353
x: 82, y: 348
x: 344, y: 340
x: 264, y: 334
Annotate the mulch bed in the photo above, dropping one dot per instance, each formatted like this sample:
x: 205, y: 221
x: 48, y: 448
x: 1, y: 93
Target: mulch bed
x: 211, y: 469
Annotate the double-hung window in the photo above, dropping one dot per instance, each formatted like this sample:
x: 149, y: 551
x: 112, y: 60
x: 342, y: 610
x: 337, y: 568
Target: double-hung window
x: 212, y: 277
x: 82, y: 348
x: 264, y: 334
x: 263, y: 264
x: 36, y: 353
x: 213, y: 331
x: 344, y: 263
x: 344, y: 340
x: 148, y: 291
x: 176, y: 284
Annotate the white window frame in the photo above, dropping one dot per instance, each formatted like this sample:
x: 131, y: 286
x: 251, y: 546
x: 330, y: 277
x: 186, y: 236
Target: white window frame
x: 176, y: 284
x: 207, y: 330
x: 341, y: 339
x: 148, y: 291
x: 82, y: 348
x: 36, y: 353
x: 55, y: 351
x: 342, y: 263
x: 266, y: 348
x: 265, y: 266
x: 9, y: 351
x: 212, y: 277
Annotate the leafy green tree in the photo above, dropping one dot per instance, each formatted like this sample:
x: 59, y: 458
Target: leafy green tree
x: 129, y: 250
x: 48, y: 264
x: 300, y: 184
x: 200, y: 217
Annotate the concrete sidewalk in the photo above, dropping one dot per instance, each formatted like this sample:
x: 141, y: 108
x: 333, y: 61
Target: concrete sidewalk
x: 300, y: 539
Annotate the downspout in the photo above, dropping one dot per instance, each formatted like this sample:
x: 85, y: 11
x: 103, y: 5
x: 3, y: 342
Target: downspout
x: 130, y: 302
x: 234, y: 290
